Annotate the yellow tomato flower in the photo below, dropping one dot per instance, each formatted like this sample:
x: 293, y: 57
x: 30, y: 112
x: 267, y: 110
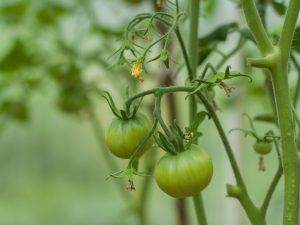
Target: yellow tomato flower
x: 136, y: 71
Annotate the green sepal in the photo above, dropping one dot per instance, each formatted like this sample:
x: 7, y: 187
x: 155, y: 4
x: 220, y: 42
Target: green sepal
x: 111, y: 104
x: 178, y: 139
x: 164, y: 56
x: 163, y: 143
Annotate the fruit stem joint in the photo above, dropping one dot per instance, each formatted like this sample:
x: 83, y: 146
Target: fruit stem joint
x: 269, y: 61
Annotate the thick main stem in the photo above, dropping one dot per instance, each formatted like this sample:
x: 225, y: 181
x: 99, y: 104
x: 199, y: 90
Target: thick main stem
x: 289, y: 151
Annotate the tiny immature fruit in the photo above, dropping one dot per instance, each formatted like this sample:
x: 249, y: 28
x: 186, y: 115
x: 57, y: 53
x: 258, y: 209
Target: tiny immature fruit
x: 124, y: 136
x: 184, y: 174
x: 262, y: 147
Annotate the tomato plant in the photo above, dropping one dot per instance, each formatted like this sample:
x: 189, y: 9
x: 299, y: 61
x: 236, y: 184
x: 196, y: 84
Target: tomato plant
x: 158, y: 61
x: 184, y: 174
x: 124, y: 135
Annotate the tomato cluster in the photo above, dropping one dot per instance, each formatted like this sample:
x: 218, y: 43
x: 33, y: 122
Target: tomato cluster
x: 181, y: 173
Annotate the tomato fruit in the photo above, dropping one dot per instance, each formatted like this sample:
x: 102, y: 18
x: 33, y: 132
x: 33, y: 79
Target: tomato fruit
x: 262, y: 147
x: 123, y: 136
x: 184, y: 174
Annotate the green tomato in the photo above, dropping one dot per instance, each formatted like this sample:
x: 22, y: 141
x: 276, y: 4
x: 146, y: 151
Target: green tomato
x: 262, y: 147
x: 123, y: 136
x: 184, y: 174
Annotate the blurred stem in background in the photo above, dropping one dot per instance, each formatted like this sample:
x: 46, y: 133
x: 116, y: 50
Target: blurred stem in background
x: 167, y: 79
x: 194, y: 14
x: 111, y: 164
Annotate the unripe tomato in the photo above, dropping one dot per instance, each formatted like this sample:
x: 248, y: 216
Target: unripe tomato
x: 262, y: 147
x: 184, y: 174
x: 123, y: 136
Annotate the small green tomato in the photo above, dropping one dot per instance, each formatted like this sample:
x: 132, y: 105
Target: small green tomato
x: 262, y: 147
x: 123, y: 136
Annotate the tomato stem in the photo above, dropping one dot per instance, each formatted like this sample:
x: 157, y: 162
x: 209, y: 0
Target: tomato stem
x: 192, y: 64
x: 279, y: 75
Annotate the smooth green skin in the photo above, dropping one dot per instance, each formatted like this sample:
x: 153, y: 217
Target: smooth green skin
x: 184, y: 174
x: 123, y: 136
x: 262, y: 148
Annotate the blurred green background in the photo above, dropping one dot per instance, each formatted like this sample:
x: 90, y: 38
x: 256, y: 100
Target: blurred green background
x: 53, y: 165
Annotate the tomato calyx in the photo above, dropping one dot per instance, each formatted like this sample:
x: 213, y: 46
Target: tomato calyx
x: 175, y: 141
x: 121, y: 114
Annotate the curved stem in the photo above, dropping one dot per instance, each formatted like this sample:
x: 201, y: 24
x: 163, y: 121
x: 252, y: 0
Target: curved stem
x: 184, y: 52
x: 285, y: 41
x: 225, y: 141
x: 274, y: 182
x: 162, y: 90
x: 254, y: 213
x: 136, y: 153
x: 256, y: 26
x: 240, y: 43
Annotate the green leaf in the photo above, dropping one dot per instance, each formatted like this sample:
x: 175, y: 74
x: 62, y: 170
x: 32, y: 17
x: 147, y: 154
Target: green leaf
x: 50, y: 12
x: 199, y: 118
x: 296, y: 40
x: 14, y: 12
x: 18, y: 57
x: 219, y: 34
x: 208, y: 43
x: 279, y: 7
x: 247, y: 34
x: 15, y: 109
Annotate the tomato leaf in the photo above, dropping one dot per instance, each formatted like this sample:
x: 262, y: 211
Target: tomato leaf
x: 17, y: 58
x: 199, y: 118
x: 14, y: 12
x: 247, y: 34
x: 296, y: 40
x: 208, y: 43
x: 279, y: 7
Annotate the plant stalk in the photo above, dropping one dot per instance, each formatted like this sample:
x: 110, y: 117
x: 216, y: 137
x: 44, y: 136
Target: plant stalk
x: 289, y: 151
x: 193, y: 64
